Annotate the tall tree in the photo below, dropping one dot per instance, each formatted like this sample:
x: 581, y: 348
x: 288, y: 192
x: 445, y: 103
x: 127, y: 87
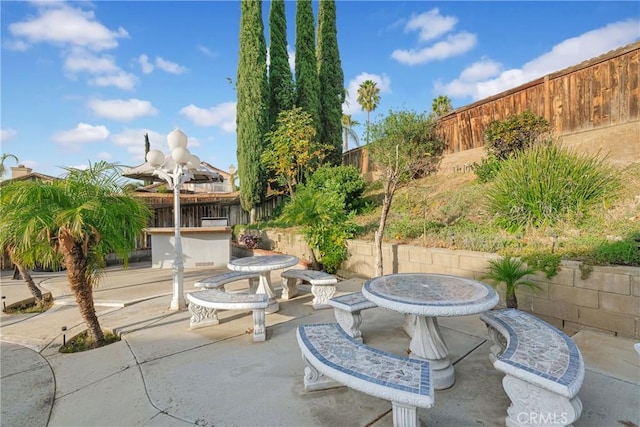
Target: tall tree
x: 331, y: 80
x: 281, y: 92
x: 3, y: 158
x: 307, y: 83
x: 83, y: 217
x: 252, y: 109
x: 404, y: 145
x: 347, y: 131
x: 293, y: 152
x: 368, y: 98
x: 441, y: 106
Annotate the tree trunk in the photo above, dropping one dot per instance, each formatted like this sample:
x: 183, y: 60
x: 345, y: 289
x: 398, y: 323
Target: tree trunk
x: 26, y: 276
x: 35, y: 291
x: 252, y: 215
x: 76, y: 263
x: 386, y: 205
x: 512, y: 301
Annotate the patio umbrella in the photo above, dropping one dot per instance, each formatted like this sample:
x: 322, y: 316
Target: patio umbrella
x: 146, y: 172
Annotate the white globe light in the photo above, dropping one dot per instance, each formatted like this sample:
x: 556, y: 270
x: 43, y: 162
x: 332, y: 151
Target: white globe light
x: 194, y: 162
x: 155, y: 158
x: 176, y: 139
x: 181, y: 155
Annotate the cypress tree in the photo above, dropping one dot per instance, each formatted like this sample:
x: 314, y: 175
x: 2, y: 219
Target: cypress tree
x: 281, y: 96
x: 331, y: 80
x: 307, y: 83
x: 147, y: 148
x: 252, y: 108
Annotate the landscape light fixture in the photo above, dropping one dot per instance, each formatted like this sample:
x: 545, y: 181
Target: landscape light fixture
x: 176, y: 169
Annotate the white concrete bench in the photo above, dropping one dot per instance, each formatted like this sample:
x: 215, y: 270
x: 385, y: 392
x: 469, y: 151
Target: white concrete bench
x: 219, y: 280
x: 347, y: 308
x: 543, y: 366
x: 323, y: 285
x: 332, y: 359
x: 203, y: 306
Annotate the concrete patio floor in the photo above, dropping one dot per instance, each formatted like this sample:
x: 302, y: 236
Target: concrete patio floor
x: 163, y: 374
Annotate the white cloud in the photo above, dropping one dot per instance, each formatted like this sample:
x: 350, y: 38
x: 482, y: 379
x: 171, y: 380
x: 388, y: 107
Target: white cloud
x: 60, y: 24
x: 132, y: 140
x: 7, y: 134
x: 351, y: 105
x: 122, y: 80
x: 81, y: 60
x: 292, y: 58
x: 146, y: 66
x: 82, y: 133
x: 222, y: 115
x: 454, y: 45
x: 486, y: 78
x: 430, y: 25
x: 169, y: 67
x: 103, y: 155
x: 206, y: 51
x: 16, y: 45
x: 124, y: 110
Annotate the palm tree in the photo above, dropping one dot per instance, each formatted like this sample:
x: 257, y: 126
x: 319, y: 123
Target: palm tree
x: 347, y: 131
x: 441, y: 106
x: 511, y: 272
x: 80, y: 219
x: 3, y: 158
x: 368, y: 98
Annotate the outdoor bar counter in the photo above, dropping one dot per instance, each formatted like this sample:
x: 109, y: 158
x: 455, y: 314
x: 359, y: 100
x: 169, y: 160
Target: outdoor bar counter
x: 201, y: 246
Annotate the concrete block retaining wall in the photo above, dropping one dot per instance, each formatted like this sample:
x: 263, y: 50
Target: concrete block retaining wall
x: 608, y: 300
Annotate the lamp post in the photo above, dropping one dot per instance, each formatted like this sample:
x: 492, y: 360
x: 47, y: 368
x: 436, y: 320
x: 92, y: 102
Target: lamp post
x: 176, y: 169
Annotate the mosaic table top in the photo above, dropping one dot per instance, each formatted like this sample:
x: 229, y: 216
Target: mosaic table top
x: 429, y: 294
x: 262, y: 263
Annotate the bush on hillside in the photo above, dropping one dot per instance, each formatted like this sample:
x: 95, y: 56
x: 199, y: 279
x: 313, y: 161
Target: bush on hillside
x: 547, y: 184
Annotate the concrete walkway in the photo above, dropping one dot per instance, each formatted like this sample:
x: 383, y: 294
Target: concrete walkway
x: 163, y: 374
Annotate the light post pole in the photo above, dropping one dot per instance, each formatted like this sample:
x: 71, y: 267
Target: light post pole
x: 176, y: 169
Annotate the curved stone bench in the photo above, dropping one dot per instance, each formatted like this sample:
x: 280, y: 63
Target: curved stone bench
x: 203, y: 306
x: 332, y: 358
x: 219, y: 280
x: 543, y: 366
x: 323, y: 285
x: 347, y: 308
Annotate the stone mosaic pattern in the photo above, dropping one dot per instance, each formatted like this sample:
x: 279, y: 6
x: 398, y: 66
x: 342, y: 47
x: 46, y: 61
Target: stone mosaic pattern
x: 351, y: 302
x: 430, y: 294
x: 330, y: 345
x: 262, y: 263
x: 538, y: 348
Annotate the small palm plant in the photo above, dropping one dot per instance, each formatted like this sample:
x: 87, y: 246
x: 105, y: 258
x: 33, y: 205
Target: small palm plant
x: 511, y: 272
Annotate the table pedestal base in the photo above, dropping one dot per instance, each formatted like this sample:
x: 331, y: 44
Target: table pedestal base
x: 264, y: 287
x: 427, y: 343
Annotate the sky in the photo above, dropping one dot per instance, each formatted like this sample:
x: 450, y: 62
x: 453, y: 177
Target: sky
x: 84, y: 81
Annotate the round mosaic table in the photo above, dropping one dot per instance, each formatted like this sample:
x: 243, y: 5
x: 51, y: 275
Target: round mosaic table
x: 423, y: 297
x: 264, y: 265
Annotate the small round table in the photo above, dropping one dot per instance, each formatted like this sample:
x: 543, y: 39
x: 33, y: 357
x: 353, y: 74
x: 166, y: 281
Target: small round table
x: 423, y: 297
x: 264, y: 265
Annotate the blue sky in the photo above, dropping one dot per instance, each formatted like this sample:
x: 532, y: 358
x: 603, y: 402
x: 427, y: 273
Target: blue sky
x: 83, y: 81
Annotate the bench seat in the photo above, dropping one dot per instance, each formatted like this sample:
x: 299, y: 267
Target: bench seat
x: 323, y: 285
x: 347, y: 308
x: 203, y: 306
x: 219, y: 280
x: 538, y: 360
x: 332, y: 358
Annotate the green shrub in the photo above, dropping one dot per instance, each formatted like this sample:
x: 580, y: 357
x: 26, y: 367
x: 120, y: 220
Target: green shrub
x: 547, y: 184
x: 513, y: 135
x: 326, y: 226
x: 345, y: 180
x: 547, y: 262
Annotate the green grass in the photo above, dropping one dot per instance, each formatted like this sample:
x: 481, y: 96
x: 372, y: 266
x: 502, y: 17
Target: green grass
x: 83, y: 342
